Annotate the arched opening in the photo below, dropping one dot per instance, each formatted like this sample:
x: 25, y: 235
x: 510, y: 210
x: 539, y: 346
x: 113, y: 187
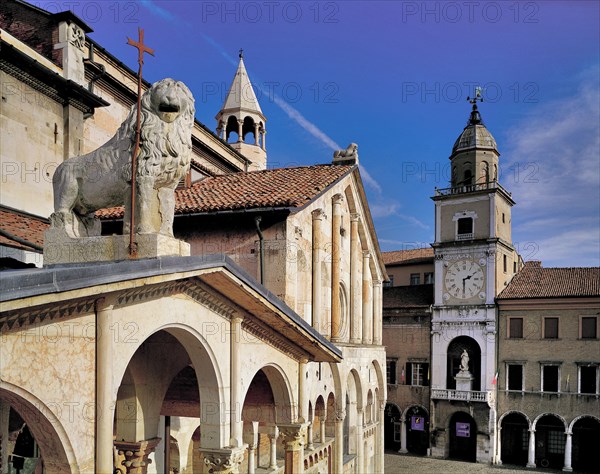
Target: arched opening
x: 417, y: 430
x: 392, y: 427
x: 550, y: 442
x: 514, y: 439
x: 354, y: 412
x: 453, y: 357
x: 485, y: 172
x: 369, y: 408
x: 331, y: 411
x: 344, y: 313
x: 319, y: 420
x: 39, y: 438
x: 467, y: 174
x: 463, y: 437
x: 586, y: 433
x: 232, y: 130
x: 248, y: 127
x: 347, y: 427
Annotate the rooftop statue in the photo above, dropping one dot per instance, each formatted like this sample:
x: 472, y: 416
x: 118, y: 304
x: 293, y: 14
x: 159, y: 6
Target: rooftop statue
x: 102, y: 178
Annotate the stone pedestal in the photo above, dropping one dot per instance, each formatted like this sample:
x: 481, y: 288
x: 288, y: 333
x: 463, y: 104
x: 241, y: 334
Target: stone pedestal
x: 59, y: 248
x: 224, y: 461
x: 293, y: 437
x: 464, y: 380
x: 136, y: 454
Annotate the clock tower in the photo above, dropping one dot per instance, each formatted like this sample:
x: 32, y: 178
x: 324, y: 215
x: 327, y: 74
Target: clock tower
x: 474, y: 260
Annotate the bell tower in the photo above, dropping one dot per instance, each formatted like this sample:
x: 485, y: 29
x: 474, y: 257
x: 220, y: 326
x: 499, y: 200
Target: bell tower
x: 240, y: 122
x: 474, y: 260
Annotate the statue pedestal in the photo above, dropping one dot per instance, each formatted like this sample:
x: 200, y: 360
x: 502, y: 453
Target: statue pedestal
x: 59, y: 248
x: 464, y: 380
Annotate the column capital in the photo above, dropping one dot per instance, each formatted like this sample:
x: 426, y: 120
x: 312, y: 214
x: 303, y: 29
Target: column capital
x: 376, y: 283
x: 136, y: 454
x: 293, y: 435
x: 366, y: 254
x: 339, y: 415
x: 569, y: 433
x: 338, y: 198
x: 354, y: 217
x: 223, y: 460
x: 318, y: 214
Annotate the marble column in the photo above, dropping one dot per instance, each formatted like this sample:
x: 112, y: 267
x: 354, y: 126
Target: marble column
x: 317, y: 259
x: 310, y: 436
x: 403, y: 436
x: 499, y: 447
x: 273, y: 438
x: 222, y: 460
x: 136, y: 454
x: 380, y: 444
x: 240, y: 130
x: 367, y: 300
x: 264, y: 136
x: 302, y: 404
x: 377, y: 314
x: 251, y: 438
x: 224, y: 131
x: 356, y: 267
x: 322, y: 425
x: 336, y: 240
x: 293, y: 439
x: 104, y: 392
x: 338, y: 450
x: 360, y: 448
x: 236, y: 398
x: 568, y: 451
x: 256, y: 132
x: 531, y: 451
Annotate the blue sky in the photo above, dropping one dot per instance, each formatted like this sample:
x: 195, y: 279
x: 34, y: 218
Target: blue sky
x: 393, y: 76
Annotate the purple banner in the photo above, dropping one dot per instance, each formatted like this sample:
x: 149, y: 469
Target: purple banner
x: 463, y: 430
x: 417, y: 423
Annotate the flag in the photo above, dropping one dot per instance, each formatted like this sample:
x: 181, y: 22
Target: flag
x: 495, y: 379
x: 402, y: 376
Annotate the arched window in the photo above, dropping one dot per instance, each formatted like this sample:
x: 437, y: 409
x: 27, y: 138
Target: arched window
x: 455, y: 350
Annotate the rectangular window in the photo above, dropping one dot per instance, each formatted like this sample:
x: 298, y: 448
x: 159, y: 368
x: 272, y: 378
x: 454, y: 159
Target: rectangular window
x: 514, y: 267
x: 464, y: 229
x: 515, y: 377
x: 391, y: 371
x: 550, y: 328
x: 588, y: 379
x: 389, y: 284
x: 428, y: 278
x: 589, y: 327
x: 415, y: 279
x: 515, y: 328
x: 419, y: 373
x: 504, y: 263
x: 550, y: 382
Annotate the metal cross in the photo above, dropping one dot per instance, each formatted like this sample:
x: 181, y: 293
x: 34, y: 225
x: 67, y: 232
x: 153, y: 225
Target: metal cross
x: 142, y: 48
x: 477, y: 97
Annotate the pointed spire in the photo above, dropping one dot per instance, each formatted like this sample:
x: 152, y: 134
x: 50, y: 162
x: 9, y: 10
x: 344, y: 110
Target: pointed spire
x: 241, y: 93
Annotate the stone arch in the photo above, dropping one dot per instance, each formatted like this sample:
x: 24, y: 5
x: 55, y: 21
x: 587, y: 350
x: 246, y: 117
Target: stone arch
x: 412, y: 405
x: 514, y: 412
x: 282, y: 393
x: 231, y: 126
x: 248, y: 127
x: 416, y: 419
x: 354, y: 407
x: 460, y: 446
x: 381, y: 384
x: 453, y: 360
x: 537, y: 418
x: 585, y: 430
x: 45, y: 427
x: 368, y: 412
x: 337, y: 385
x: 577, y: 418
x: 344, y: 312
x: 514, y: 437
x: 549, y: 440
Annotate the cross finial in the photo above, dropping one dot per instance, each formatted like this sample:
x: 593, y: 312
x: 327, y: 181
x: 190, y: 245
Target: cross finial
x: 241, y: 53
x: 141, y: 47
x: 477, y: 97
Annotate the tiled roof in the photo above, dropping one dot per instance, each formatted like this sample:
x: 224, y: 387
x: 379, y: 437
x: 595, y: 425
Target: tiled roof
x: 23, y: 226
x: 281, y: 187
x: 533, y: 281
x: 407, y: 296
x: 400, y: 257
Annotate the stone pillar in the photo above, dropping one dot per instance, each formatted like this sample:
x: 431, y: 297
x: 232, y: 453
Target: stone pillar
x: 223, y: 461
x: 568, y: 451
x: 293, y: 438
x: 360, y: 448
x: 302, y: 404
x: 336, y: 220
x: 136, y: 454
x: 264, y: 136
x: 322, y: 425
x: 104, y: 392
x: 380, y: 445
x: 367, y: 300
x: 256, y: 134
x: 338, y: 450
x: 273, y: 438
x: 317, y: 290
x: 531, y: 451
x: 236, y: 399
x: 240, y: 131
x: 377, y: 314
x: 4, y: 415
x: 403, y: 436
x: 310, y: 435
x: 499, y: 447
x: 356, y: 330
x: 252, y: 440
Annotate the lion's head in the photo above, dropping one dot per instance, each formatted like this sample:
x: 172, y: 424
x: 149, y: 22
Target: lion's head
x: 167, y: 120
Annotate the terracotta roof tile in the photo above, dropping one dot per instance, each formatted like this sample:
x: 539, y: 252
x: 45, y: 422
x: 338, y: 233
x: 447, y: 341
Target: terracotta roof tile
x: 282, y: 187
x: 24, y: 226
x: 399, y: 257
x: 533, y: 281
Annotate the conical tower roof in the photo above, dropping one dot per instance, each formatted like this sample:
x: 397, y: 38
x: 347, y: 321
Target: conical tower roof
x: 475, y: 135
x: 241, y: 94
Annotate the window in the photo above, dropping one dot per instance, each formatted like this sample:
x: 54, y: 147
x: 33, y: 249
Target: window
x: 415, y: 278
x: 418, y: 373
x: 515, y: 328
x: 588, y: 379
x: 504, y: 263
x: 465, y: 226
x: 428, y: 278
x: 589, y: 327
x: 515, y: 267
x: 550, y: 328
x: 514, y: 375
x: 503, y: 221
x: 391, y: 371
x: 389, y: 284
x: 397, y: 432
x: 550, y: 376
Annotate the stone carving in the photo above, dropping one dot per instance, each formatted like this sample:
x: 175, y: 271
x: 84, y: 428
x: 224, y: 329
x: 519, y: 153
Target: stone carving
x: 464, y: 361
x: 102, y: 178
x: 222, y: 460
x: 76, y: 36
x: 349, y: 154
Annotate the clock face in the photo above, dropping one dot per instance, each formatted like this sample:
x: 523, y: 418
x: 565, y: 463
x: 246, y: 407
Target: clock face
x: 464, y: 279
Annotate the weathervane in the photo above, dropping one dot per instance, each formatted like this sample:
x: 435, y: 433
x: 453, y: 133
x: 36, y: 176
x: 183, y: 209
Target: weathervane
x: 477, y: 97
x: 142, y: 48
x: 241, y: 53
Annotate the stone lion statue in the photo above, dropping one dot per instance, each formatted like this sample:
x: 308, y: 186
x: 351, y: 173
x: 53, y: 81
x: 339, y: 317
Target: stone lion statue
x: 349, y: 154
x: 102, y: 178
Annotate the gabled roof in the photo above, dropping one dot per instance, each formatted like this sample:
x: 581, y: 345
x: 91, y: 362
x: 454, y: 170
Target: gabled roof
x: 241, y: 93
x: 275, y: 188
x: 21, y: 230
x: 533, y: 281
x: 403, y: 257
